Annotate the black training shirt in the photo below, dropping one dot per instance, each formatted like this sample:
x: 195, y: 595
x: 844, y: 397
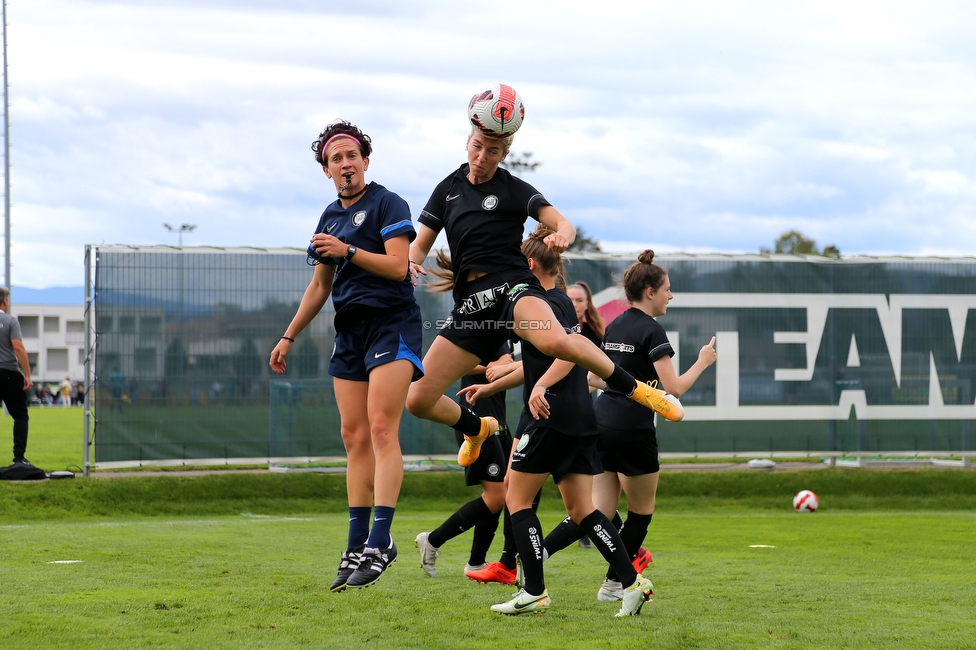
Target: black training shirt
x: 483, y: 222
x: 570, y: 407
x: 634, y: 341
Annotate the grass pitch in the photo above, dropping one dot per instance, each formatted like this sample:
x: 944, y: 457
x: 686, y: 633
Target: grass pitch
x: 55, y: 438
x: 245, y: 560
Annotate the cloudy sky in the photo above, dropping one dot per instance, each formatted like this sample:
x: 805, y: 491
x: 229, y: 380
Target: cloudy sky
x: 683, y: 126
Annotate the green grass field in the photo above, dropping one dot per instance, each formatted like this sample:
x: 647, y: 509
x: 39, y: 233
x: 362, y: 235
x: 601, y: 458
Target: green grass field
x: 868, y: 580
x: 56, y: 439
x: 245, y: 560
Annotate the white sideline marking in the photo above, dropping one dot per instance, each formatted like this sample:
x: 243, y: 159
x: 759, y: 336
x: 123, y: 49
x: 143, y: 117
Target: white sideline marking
x: 66, y: 562
x: 199, y: 522
x: 760, y: 546
x: 254, y: 516
x: 190, y: 522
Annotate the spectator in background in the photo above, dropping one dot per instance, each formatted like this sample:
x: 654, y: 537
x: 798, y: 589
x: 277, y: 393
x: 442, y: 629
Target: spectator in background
x: 64, y: 392
x: 115, y: 385
x: 591, y: 323
x: 592, y: 327
x: 15, y: 376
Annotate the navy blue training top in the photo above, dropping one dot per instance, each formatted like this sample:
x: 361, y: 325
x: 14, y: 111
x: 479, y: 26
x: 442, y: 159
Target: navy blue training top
x: 378, y: 216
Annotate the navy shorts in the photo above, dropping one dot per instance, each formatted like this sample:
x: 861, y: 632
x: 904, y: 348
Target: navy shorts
x: 542, y: 450
x: 482, y: 321
x: 492, y: 463
x: 375, y: 338
x: 631, y: 452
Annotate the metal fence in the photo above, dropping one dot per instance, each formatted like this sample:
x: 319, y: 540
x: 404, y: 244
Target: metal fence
x: 816, y: 356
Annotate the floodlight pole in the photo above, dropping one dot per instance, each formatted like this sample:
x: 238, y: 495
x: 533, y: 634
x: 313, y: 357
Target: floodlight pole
x: 187, y: 227
x: 6, y: 158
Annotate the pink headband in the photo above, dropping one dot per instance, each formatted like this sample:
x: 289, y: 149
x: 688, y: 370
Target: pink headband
x: 340, y: 135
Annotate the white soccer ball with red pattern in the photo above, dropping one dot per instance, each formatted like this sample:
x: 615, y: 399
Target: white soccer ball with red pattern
x: 497, y: 111
x: 805, y: 501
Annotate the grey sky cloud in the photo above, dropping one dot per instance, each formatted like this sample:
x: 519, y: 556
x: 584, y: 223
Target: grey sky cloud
x: 696, y: 126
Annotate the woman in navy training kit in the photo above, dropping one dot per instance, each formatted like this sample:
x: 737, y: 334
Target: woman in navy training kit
x: 560, y: 438
x: 360, y: 251
x: 483, y: 209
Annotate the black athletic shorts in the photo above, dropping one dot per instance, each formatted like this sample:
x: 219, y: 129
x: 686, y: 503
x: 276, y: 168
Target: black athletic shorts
x: 630, y: 452
x: 547, y: 451
x: 483, y: 320
x: 492, y: 463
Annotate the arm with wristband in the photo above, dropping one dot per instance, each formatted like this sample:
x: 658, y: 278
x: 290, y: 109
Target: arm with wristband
x: 313, y: 300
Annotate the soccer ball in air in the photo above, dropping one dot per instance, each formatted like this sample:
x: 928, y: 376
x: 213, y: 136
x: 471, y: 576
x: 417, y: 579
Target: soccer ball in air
x: 805, y: 501
x: 497, y: 111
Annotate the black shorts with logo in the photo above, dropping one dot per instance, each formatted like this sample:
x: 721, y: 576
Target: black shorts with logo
x: 547, y: 451
x: 483, y: 320
x: 630, y: 452
x: 492, y: 463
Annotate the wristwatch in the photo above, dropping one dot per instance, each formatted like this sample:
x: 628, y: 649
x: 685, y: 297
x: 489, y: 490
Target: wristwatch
x: 352, y: 250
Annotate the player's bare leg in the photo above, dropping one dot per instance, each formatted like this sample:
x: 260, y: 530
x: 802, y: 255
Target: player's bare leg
x: 444, y: 364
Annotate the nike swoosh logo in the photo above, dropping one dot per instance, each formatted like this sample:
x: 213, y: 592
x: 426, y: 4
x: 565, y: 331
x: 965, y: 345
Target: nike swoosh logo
x: 380, y: 354
x: 329, y: 229
x: 524, y: 605
x: 451, y: 198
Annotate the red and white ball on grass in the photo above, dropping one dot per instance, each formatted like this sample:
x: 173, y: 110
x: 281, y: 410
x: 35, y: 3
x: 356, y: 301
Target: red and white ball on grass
x: 497, y: 111
x: 805, y: 501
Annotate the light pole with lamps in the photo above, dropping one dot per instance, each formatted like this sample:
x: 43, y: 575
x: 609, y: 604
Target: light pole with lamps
x: 182, y: 229
x: 186, y: 227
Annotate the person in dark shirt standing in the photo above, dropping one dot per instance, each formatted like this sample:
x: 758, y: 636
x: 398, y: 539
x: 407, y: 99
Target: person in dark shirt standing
x: 15, y: 375
x: 628, y: 439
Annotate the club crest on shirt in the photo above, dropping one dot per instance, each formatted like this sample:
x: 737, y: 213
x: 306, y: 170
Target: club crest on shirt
x: 359, y: 218
x: 490, y: 202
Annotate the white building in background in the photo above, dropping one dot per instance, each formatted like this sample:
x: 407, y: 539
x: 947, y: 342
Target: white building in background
x: 54, y: 337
